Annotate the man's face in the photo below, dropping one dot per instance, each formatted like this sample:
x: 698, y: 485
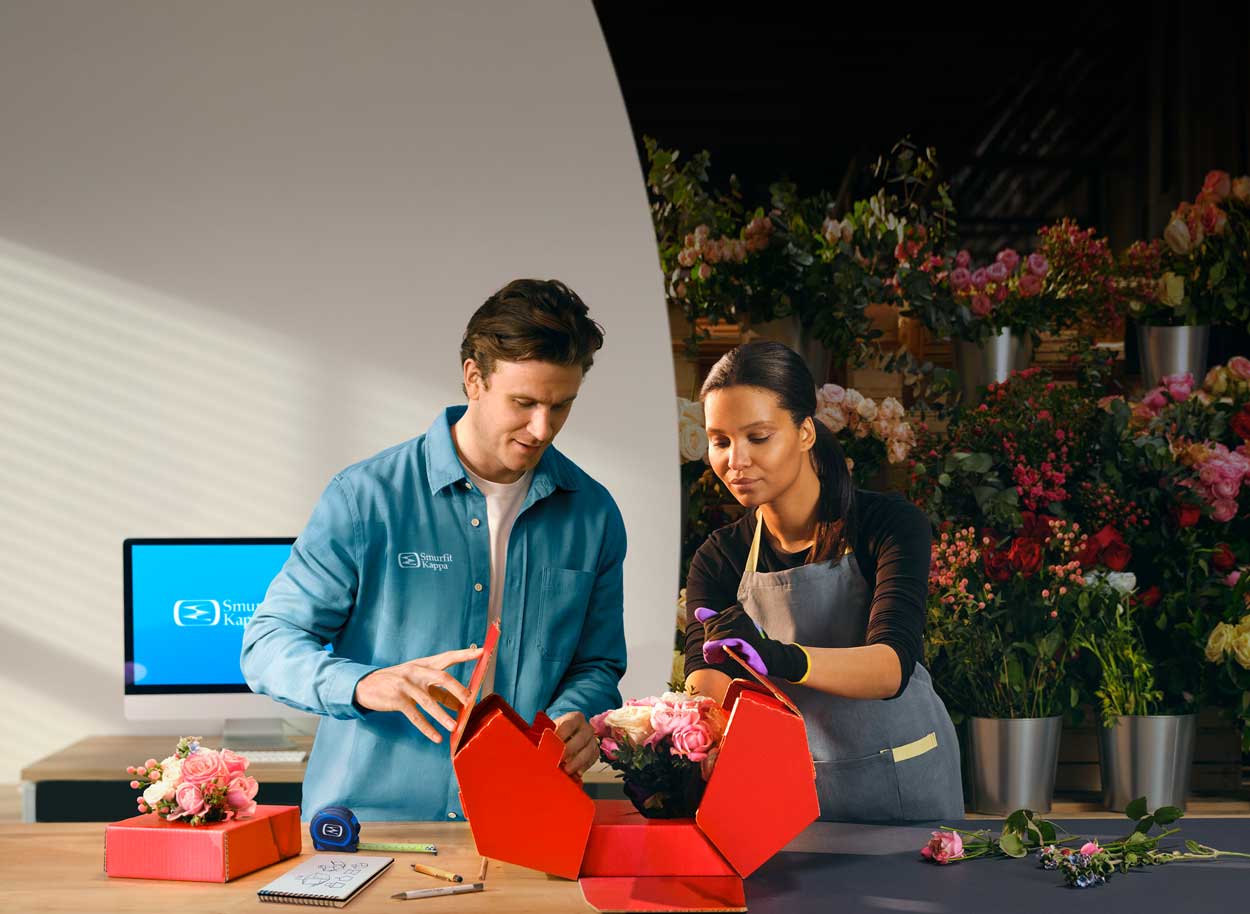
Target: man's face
x: 517, y: 412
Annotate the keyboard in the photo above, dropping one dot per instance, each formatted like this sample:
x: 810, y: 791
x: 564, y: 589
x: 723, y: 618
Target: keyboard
x: 262, y: 756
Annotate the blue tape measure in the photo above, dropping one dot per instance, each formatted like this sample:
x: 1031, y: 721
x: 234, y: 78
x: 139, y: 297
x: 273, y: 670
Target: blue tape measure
x: 336, y: 828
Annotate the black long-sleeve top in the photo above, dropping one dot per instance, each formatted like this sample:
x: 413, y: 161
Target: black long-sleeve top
x: 891, y: 542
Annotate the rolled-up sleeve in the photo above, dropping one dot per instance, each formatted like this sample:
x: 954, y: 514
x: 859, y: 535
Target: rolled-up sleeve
x: 592, y: 682
x: 306, y: 607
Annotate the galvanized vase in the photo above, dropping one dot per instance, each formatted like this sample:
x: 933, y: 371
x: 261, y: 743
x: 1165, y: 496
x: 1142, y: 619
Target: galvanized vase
x: 1013, y: 763
x: 1172, y: 350
x: 990, y: 361
x: 1150, y: 756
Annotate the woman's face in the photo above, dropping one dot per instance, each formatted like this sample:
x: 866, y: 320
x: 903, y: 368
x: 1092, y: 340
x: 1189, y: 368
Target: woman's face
x: 753, y: 444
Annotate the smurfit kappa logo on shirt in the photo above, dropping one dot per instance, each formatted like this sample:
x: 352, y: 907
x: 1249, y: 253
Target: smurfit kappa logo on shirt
x: 425, y: 560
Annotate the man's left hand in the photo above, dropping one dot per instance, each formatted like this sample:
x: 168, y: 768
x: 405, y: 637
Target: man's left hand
x: 581, y: 749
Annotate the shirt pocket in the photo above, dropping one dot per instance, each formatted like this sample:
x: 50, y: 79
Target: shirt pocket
x: 565, y: 597
x: 858, y: 790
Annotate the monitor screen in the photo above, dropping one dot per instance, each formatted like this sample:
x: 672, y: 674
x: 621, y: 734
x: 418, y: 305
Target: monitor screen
x: 187, y: 602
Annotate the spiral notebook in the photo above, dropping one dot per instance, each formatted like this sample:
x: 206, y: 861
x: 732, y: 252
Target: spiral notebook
x: 328, y: 880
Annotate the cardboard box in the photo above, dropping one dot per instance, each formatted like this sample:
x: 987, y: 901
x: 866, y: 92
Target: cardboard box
x: 523, y: 808
x: 148, y: 847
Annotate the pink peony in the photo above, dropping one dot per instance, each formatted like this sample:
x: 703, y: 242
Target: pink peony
x: 190, y: 800
x: 960, y: 278
x: 997, y: 272
x: 979, y: 278
x: 1039, y: 266
x: 943, y: 847
x: 1030, y: 285
x: 963, y: 259
x: 1239, y: 366
x: 202, y: 766
x: 693, y: 741
x: 235, y: 763
x: 1009, y: 258
x: 241, y: 795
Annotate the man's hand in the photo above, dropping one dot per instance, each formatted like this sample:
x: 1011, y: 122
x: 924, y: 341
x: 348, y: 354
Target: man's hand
x: 421, y: 682
x: 581, y: 749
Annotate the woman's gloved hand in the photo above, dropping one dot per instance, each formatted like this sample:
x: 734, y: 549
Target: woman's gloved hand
x: 733, y: 628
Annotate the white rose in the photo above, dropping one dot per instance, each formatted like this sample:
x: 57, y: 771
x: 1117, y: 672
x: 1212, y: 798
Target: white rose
x: 690, y: 409
x: 1219, y: 642
x: 830, y: 394
x: 1123, y: 581
x: 1177, y: 236
x: 897, y: 450
x: 883, y: 427
x: 171, y: 769
x: 833, y: 417
x: 891, y: 408
x: 1172, y: 290
x: 853, y: 399
x: 692, y: 440
x: 867, y: 409
x: 155, y: 792
x: 633, y: 721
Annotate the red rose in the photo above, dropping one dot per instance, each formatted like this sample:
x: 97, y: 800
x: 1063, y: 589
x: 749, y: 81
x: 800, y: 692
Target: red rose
x: 1151, y: 596
x: 1117, y: 555
x: 1106, y: 536
x: 1087, y: 555
x: 1187, y: 515
x: 1241, y: 424
x: 1223, y: 558
x: 1035, y: 526
x: 1025, y: 555
x: 997, y: 565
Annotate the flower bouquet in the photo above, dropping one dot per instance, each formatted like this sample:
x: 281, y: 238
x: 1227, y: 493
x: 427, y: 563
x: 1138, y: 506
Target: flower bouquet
x: 196, y: 785
x: 665, y: 749
x: 869, y: 432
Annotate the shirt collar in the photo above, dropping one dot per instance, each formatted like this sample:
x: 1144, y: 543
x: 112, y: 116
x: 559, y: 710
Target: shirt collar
x: 443, y: 466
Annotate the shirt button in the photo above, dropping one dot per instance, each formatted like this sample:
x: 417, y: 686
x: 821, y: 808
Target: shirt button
x: 477, y: 587
x: 475, y: 522
x: 451, y: 815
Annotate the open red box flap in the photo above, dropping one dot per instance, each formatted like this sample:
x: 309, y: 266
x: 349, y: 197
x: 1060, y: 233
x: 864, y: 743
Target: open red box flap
x: 738, y: 685
x: 475, y: 686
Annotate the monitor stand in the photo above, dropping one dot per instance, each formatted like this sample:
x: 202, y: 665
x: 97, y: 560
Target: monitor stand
x: 242, y: 734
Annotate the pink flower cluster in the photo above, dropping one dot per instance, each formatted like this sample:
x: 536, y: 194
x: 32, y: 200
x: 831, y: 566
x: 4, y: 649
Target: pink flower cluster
x: 196, y: 784
x: 842, y: 409
x: 1220, y: 475
x: 984, y: 288
x: 688, y: 726
x: 700, y: 252
x: 955, y: 554
x: 1176, y: 388
x: 1193, y: 223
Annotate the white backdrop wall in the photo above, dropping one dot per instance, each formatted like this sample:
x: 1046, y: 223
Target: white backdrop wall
x: 239, y: 243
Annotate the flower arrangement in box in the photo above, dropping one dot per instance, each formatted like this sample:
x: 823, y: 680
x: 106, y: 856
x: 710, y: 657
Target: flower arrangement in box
x: 665, y: 749
x: 195, y: 785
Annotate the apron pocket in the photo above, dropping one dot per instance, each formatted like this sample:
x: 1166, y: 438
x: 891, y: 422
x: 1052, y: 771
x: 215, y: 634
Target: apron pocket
x: 858, y: 790
x: 929, y: 785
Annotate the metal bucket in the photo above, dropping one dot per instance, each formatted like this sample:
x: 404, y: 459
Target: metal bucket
x: 1150, y: 756
x: 1013, y: 763
x: 1172, y: 350
x: 990, y: 362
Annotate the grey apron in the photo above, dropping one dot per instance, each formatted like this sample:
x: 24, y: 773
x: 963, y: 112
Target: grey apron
x: 876, y: 760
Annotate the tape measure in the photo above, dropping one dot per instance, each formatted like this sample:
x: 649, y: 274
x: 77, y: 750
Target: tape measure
x: 336, y: 828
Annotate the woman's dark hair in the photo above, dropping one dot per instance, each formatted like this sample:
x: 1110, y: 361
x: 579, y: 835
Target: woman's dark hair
x: 780, y: 370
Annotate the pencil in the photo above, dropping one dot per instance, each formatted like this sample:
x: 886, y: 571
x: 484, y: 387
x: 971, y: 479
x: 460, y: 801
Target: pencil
x: 481, y: 873
x: 447, y: 890
x: 437, y: 873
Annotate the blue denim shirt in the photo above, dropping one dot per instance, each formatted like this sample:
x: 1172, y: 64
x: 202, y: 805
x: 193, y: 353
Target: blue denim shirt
x: 388, y: 569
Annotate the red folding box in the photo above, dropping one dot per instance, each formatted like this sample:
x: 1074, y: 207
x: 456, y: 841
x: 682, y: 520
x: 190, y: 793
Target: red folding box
x: 148, y: 847
x: 523, y: 808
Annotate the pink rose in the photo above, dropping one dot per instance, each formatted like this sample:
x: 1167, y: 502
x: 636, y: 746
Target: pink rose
x: 693, y: 741
x: 1233, y: 578
x: 1224, y: 511
x: 981, y: 305
x: 943, y: 847
x: 1179, y: 391
x: 1030, y: 285
x: 597, y: 724
x: 963, y: 259
x: 1039, y: 266
x: 235, y: 763
x: 190, y: 800
x: 1239, y: 365
x: 960, y: 278
x: 997, y: 272
x: 1213, y: 219
x: 1089, y: 848
x: 202, y: 766
x: 668, y: 719
x: 1155, y: 400
x: 979, y: 278
x: 1009, y: 259
x: 1217, y: 183
x: 609, y: 747
x: 1000, y: 293
x: 241, y: 795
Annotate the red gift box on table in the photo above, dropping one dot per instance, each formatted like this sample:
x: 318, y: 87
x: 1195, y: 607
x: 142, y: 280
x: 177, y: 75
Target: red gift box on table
x: 148, y: 847
x: 523, y: 808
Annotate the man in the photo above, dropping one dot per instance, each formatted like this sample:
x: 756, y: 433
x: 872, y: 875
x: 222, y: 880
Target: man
x: 411, y: 553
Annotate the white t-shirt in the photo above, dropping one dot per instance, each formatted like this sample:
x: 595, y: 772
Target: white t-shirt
x: 503, y: 503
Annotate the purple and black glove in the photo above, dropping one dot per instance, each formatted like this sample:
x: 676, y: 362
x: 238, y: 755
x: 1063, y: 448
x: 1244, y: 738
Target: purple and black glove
x: 733, y: 628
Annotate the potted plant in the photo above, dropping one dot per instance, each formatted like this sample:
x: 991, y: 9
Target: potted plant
x: 1203, y: 279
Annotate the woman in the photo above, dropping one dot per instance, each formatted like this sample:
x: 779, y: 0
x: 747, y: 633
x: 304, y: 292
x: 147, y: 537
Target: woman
x: 821, y: 587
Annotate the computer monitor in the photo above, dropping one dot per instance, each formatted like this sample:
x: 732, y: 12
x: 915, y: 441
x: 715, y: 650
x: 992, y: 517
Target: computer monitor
x: 186, y: 604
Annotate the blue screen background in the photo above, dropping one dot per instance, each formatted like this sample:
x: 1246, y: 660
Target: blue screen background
x: 205, y: 649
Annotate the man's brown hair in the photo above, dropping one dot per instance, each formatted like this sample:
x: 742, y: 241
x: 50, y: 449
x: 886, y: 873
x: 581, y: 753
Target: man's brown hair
x: 531, y: 319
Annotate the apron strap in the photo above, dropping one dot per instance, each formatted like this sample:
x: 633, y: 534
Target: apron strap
x: 753, y: 556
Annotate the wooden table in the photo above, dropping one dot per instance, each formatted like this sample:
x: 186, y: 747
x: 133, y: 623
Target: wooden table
x: 60, y: 867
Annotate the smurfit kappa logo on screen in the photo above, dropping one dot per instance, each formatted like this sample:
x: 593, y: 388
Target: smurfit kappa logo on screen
x: 204, y: 613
